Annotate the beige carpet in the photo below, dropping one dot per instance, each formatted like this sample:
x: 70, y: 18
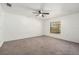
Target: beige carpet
x: 41, y: 45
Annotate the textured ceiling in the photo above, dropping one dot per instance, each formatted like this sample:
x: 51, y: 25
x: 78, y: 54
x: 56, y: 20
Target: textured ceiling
x: 56, y: 9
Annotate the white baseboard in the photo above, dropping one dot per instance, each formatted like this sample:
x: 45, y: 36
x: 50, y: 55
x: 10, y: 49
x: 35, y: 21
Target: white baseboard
x: 63, y: 39
x: 1, y: 43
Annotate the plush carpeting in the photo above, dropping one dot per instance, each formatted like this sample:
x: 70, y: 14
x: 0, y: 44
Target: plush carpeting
x: 41, y: 45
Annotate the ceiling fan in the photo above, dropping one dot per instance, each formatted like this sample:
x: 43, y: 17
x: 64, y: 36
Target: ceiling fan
x: 41, y: 11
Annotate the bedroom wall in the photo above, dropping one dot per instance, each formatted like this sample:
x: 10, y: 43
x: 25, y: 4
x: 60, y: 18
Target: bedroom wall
x: 19, y: 27
x: 1, y: 25
x: 69, y: 27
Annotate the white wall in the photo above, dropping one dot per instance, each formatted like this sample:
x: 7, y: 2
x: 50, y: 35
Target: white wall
x: 18, y: 27
x: 1, y: 25
x: 69, y: 28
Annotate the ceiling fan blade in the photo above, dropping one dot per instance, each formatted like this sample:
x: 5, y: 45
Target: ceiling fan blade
x: 45, y: 13
x: 35, y: 12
